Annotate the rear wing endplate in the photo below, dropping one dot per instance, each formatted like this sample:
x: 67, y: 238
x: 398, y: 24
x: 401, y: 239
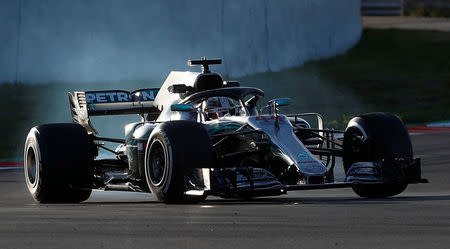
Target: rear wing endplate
x: 114, y: 102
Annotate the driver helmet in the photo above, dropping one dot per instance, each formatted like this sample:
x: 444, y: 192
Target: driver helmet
x: 217, y: 107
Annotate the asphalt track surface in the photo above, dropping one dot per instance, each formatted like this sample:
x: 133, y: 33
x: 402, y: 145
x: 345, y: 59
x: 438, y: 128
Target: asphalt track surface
x: 418, y: 218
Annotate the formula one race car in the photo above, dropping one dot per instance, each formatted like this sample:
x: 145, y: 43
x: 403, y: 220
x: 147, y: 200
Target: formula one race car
x: 201, y: 135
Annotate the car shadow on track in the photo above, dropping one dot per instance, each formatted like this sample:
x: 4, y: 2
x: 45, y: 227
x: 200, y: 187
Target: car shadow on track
x: 326, y: 200
x: 285, y: 201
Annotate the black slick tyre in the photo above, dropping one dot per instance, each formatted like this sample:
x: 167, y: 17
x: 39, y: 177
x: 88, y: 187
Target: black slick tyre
x: 173, y: 150
x: 372, y: 137
x: 58, y: 163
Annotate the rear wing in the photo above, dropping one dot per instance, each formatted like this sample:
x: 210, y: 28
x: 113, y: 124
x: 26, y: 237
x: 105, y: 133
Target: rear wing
x: 114, y: 102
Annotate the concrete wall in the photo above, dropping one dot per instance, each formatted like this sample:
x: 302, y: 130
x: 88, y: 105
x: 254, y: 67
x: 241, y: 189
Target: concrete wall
x: 98, y: 40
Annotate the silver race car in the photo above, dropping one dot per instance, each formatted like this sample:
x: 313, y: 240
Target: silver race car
x: 201, y: 135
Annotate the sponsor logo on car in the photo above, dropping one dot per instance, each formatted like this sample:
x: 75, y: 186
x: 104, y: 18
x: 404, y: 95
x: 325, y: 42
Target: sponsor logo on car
x: 302, y: 155
x: 120, y: 96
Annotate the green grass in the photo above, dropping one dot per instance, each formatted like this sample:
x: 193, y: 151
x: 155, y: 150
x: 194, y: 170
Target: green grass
x: 399, y: 71
x: 430, y: 12
x: 404, y: 72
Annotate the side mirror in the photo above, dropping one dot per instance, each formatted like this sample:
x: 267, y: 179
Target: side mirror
x: 179, y: 88
x: 280, y: 102
x: 273, y: 105
x: 182, y: 108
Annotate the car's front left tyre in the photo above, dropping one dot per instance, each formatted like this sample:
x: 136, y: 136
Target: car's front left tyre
x: 175, y: 150
x: 58, y: 163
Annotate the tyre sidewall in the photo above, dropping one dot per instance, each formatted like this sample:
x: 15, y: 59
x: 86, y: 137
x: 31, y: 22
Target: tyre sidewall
x: 161, y: 190
x: 188, y: 148
x: 32, y: 143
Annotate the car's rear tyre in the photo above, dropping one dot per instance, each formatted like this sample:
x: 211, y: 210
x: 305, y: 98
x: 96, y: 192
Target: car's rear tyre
x: 381, y: 136
x: 174, y: 149
x: 58, y: 163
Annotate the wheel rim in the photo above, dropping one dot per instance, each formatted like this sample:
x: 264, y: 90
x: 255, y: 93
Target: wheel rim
x: 31, y: 166
x: 157, y: 165
x: 357, y: 132
x: 352, y: 146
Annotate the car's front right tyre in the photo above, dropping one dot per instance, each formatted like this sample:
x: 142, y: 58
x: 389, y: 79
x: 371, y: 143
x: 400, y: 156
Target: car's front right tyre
x: 383, y: 136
